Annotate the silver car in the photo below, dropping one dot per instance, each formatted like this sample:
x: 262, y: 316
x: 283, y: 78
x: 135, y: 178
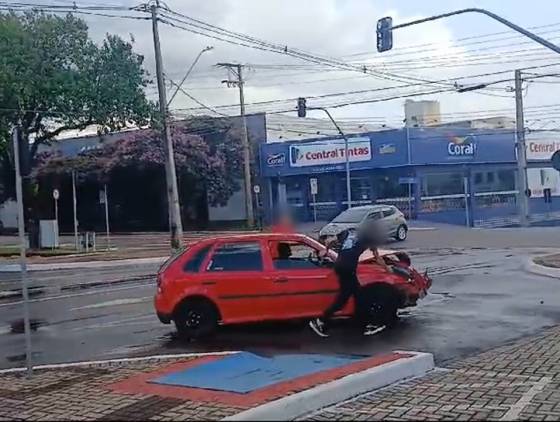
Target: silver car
x: 388, y: 216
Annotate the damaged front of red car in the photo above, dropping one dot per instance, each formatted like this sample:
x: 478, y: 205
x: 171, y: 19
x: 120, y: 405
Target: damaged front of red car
x: 391, y: 285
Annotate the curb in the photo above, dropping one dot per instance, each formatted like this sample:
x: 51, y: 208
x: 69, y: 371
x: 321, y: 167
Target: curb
x: 299, y: 404
x: 534, y: 268
x: 14, y: 268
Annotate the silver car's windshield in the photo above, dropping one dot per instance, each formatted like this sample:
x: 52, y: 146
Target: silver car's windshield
x: 353, y: 215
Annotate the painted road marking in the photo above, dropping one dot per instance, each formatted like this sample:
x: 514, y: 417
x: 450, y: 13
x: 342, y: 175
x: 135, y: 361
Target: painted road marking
x: 97, y: 292
x: 515, y: 410
x: 115, y: 302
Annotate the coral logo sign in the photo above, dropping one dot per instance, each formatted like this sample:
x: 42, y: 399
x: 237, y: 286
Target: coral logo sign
x: 274, y: 160
x: 461, y: 146
x: 328, y: 153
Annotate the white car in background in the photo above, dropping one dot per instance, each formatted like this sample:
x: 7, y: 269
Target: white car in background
x: 388, y: 216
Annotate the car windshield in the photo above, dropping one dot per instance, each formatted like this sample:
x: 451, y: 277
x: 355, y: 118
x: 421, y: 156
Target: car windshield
x: 353, y: 215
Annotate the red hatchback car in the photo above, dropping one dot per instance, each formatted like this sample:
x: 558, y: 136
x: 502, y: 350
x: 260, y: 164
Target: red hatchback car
x: 273, y: 276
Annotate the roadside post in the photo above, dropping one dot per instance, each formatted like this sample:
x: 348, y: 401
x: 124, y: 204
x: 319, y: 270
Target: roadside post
x: 56, y: 195
x: 314, y: 190
x: 22, y: 257
x: 104, y: 199
x: 409, y: 181
x: 466, y: 192
x: 75, y: 208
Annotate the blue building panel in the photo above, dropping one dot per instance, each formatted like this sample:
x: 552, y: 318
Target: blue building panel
x: 366, y: 151
x: 461, y: 146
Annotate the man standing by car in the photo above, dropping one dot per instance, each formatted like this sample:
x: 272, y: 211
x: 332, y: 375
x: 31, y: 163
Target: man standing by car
x: 351, y: 244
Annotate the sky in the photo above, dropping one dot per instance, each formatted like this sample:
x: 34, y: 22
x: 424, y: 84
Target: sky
x: 448, y: 51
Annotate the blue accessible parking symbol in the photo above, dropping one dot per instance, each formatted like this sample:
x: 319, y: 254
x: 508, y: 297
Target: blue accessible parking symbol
x: 245, y: 372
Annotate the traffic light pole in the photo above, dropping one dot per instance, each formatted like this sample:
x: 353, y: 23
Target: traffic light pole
x: 346, y: 155
x: 513, y: 26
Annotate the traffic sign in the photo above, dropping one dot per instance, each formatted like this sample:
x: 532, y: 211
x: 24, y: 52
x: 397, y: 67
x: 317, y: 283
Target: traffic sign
x: 55, y: 194
x: 407, y: 180
x: 556, y: 160
x: 313, y: 186
x: 257, y: 189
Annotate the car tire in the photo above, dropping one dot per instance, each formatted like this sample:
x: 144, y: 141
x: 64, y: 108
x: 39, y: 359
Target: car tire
x: 196, y: 318
x: 402, y: 233
x: 380, y: 305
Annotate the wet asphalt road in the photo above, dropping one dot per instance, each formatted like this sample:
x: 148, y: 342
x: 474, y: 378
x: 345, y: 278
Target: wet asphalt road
x: 480, y: 298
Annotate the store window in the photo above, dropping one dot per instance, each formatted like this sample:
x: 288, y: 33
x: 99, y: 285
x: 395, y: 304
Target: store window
x: 442, y: 184
x: 387, y: 186
x: 494, y: 181
x: 294, y: 192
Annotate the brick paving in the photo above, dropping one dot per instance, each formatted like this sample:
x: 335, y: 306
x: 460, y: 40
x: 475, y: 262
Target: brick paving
x: 82, y: 393
x: 518, y: 381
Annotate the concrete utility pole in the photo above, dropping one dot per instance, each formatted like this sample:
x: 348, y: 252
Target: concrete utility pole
x: 22, y: 257
x: 346, y: 155
x: 521, y: 153
x: 237, y: 70
x: 174, y: 210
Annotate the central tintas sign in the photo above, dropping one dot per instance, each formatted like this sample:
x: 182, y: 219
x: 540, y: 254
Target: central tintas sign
x: 330, y: 152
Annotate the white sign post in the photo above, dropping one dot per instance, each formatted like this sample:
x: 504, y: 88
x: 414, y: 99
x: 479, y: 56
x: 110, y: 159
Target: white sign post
x: 314, y: 190
x: 22, y: 255
x: 257, y: 191
x: 56, y: 195
x: 104, y: 199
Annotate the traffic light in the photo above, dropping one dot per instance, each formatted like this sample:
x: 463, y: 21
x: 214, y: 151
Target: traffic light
x: 384, y: 34
x: 301, y: 107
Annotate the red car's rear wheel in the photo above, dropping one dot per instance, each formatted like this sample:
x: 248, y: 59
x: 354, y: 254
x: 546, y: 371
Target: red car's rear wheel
x: 196, y: 318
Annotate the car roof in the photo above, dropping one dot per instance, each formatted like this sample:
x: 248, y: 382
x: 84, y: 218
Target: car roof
x: 252, y: 236
x: 368, y: 207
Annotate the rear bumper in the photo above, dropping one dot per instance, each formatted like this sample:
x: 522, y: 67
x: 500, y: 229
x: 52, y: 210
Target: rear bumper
x: 164, y: 318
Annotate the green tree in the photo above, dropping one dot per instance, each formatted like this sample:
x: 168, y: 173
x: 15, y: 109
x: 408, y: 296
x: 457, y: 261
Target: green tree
x: 54, y: 78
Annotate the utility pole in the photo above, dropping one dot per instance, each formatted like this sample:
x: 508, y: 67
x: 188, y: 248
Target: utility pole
x: 522, y: 196
x: 174, y: 211
x: 237, y: 70
x: 22, y: 257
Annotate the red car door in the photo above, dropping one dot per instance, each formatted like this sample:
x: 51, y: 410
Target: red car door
x: 302, y: 286
x: 235, y: 270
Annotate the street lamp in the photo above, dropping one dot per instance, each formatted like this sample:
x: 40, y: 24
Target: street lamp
x: 204, y: 50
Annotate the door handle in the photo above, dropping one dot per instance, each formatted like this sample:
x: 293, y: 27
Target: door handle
x: 281, y: 280
x: 208, y: 283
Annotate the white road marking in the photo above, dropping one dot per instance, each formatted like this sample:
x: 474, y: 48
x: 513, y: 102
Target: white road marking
x: 122, y: 360
x: 115, y: 302
x: 515, y: 410
x: 96, y: 292
x: 126, y: 321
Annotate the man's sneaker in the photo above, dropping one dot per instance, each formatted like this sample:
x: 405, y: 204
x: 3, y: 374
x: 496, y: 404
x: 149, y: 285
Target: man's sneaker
x: 318, y: 326
x: 371, y: 329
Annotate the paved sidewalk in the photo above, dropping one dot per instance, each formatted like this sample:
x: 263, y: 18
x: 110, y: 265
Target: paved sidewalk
x: 224, y: 385
x: 519, y: 381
